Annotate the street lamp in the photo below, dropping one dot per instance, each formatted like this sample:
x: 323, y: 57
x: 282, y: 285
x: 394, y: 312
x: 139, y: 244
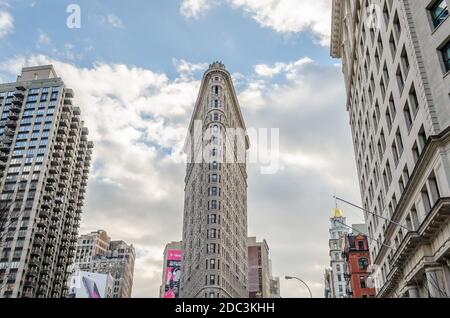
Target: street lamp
x: 301, y: 281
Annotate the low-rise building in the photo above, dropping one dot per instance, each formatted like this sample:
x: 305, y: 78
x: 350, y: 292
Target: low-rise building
x: 357, y: 255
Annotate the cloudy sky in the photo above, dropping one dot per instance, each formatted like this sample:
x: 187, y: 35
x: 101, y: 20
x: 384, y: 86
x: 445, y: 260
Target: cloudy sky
x: 136, y: 68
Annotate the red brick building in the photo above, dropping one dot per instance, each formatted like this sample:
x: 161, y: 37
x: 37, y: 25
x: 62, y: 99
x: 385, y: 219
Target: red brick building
x: 358, y: 259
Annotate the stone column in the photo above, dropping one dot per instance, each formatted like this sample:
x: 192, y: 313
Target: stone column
x: 436, y: 282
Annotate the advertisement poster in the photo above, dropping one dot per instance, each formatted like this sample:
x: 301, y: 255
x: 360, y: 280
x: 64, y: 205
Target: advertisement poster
x: 173, y: 274
x: 89, y: 285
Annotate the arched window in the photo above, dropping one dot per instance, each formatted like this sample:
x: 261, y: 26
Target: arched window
x: 363, y: 263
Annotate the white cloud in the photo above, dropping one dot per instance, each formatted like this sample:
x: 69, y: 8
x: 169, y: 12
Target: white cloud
x: 186, y: 68
x: 193, y: 8
x: 43, y: 39
x: 284, y: 16
x: 290, y: 69
x: 290, y: 16
x: 111, y: 20
x: 138, y: 119
x: 6, y: 24
x: 115, y: 21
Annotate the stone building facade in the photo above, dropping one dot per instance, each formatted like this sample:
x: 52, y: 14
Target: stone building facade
x: 215, y: 208
x: 396, y: 64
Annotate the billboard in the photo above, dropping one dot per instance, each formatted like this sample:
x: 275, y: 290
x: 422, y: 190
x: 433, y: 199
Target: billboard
x: 90, y: 285
x: 173, y: 274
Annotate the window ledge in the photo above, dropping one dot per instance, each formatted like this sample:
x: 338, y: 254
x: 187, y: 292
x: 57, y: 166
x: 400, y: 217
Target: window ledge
x: 447, y: 74
x: 436, y: 28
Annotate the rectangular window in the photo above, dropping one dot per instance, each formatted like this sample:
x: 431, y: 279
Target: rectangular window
x: 439, y: 12
x: 446, y: 56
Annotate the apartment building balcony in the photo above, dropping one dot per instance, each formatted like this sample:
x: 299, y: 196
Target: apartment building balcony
x: 21, y: 88
x: 47, y: 195
x: 13, y: 115
x: 57, y: 209
x: 52, y: 243
x: 69, y: 93
x: 40, y: 232
x: 49, y: 187
x: 76, y: 111
x: 44, y: 279
x: 33, y: 273
x: 56, y: 215
x: 70, y: 154
x: 47, y: 261
x: 41, y: 223
x: 17, y: 101
x: 36, y: 251
x: 62, y: 261
x: 11, y: 124
x: 38, y: 242
x: 73, y: 132
x: 15, y: 109
x: 72, y: 139
x: 59, y: 146
x: 74, y: 126
x: 62, y: 183
x: 49, y: 251
x: 6, y: 140
x: 60, y: 271
x: 61, y: 138
x: 53, y: 226
x: 64, y: 176
x: 68, y: 101
x: 76, y: 177
x: 4, y: 148
x: 19, y: 94
x: 28, y: 294
x: 30, y: 283
x: 53, y: 233
x: 46, y: 204
x: 70, y: 146
x: 34, y: 262
x: 9, y: 132
x: 58, y: 280
x: 51, y: 178
x: 58, y: 154
x: 65, y: 168
x: 64, y: 123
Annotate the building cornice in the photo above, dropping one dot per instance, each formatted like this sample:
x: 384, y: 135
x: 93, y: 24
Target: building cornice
x: 336, y: 28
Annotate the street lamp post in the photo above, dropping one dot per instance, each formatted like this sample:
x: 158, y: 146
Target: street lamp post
x: 301, y: 281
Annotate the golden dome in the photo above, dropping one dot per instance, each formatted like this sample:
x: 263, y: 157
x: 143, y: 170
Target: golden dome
x: 338, y: 213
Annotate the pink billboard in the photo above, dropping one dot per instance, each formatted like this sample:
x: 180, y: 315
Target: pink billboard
x: 173, y: 274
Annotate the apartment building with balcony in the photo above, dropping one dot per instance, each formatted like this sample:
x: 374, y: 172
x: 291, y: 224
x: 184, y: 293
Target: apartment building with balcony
x: 396, y: 64
x: 44, y: 166
x: 215, y: 262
